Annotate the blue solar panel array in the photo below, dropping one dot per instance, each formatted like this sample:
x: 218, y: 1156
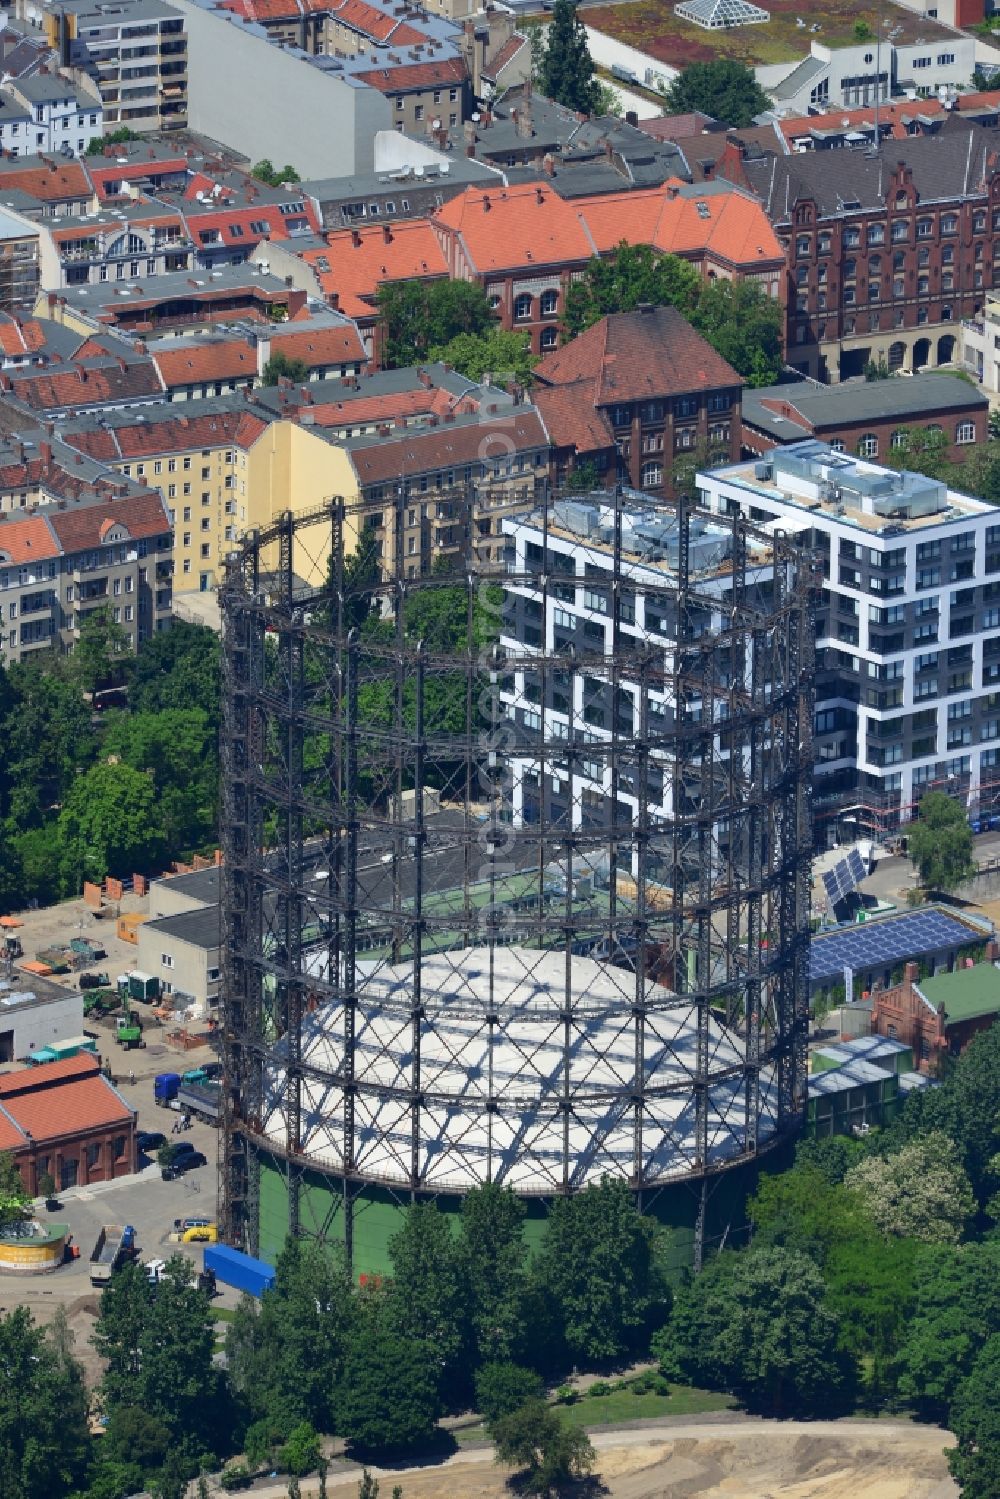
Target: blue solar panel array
x: 845, y: 876
x: 881, y: 944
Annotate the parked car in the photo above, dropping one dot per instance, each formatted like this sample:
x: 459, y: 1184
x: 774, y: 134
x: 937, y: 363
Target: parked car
x: 184, y: 1157
x: 181, y: 1225
x: 149, y: 1141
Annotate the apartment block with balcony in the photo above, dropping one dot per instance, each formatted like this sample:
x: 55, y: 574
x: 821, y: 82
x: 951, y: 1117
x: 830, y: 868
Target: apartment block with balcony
x: 907, y: 633
x: 100, y: 548
x: 135, y: 51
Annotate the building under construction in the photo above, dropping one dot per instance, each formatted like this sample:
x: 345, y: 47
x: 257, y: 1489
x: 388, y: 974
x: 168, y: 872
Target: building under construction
x: 516, y: 869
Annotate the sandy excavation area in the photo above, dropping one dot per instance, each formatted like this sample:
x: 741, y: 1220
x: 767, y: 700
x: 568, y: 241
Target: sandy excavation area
x: 711, y: 1459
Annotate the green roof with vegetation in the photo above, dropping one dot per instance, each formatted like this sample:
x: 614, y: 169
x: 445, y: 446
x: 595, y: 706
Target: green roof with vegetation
x: 965, y: 994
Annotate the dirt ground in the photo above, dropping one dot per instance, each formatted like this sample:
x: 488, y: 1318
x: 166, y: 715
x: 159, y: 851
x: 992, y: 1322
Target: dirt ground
x: 714, y: 1457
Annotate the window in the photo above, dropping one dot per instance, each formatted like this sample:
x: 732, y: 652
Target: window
x: 803, y: 244
x: 965, y: 432
x: 166, y: 961
x: 549, y: 338
x: 868, y: 446
x: 925, y: 228
x: 945, y: 59
x: 876, y: 234
x: 652, y: 474
x: 549, y: 303
x: 921, y: 62
x: 522, y: 307
x: 949, y: 223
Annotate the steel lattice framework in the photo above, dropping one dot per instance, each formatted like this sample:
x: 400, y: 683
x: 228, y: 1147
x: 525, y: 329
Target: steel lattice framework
x: 516, y: 862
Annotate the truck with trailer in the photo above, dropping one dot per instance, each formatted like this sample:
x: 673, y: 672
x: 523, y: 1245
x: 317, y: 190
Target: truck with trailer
x: 241, y: 1271
x: 115, y: 1244
x: 203, y: 1100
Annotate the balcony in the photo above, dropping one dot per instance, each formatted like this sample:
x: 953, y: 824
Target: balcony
x: 36, y: 603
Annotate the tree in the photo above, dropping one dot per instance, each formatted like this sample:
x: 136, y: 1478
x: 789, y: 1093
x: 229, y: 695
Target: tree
x: 125, y: 1304
x: 178, y: 747
x: 993, y: 423
x: 178, y: 668
x: 285, y: 1354
x: 281, y: 367
x: 101, y: 652
x: 597, y: 1268
x: 923, y: 450
x: 425, y: 1299
x: 504, y: 1388
x: 43, y: 1412
x: 743, y: 324
x: 757, y: 1323
x: 878, y: 369
x: 491, y: 1256
x: 726, y: 90
x: 176, y: 1379
x: 966, y: 1107
x: 956, y: 1307
x: 119, y: 137
x: 389, y: 1399
x: 975, y: 1420
x: 14, y: 1199
x: 265, y: 171
x: 566, y: 69
x: 497, y: 352
x: 109, y: 825
x: 535, y: 1440
x: 634, y: 274
x: 940, y: 843
x: 918, y: 1192
x: 417, y: 316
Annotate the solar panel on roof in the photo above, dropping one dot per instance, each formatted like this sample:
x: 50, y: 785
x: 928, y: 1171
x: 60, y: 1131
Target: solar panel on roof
x: 880, y: 944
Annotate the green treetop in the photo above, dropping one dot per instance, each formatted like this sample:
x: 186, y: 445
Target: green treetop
x: 565, y: 68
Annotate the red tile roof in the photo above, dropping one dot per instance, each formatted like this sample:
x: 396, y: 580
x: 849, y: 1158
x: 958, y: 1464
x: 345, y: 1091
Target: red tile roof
x: 319, y: 347
x: 416, y: 75
x: 26, y: 1079
x: 11, y: 1138
x: 142, y: 516
x: 26, y: 541
x: 370, y: 21
x: 635, y: 356
x: 20, y: 335
x: 51, y: 184
x: 896, y: 114
x: 528, y: 225
x: 423, y: 449
x: 572, y: 419
x: 167, y: 431
x: 220, y: 359
x: 356, y: 261
x: 394, y: 408
x: 225, y: 220
x: 108, y: 179
x: 109, y: 382
x: 57, y: 1099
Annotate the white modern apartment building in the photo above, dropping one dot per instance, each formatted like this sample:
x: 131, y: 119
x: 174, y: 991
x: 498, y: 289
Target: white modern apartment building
x: 907, y: 632
x: 571, y: 735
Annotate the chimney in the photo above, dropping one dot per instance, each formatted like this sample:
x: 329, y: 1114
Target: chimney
x: 45, y: 453
x: 486, y: 203
x: 522, y: 122
x: 356, y: 238
x: 263, y: 351
x: 539, y: 196
x: 425, y: 379
x: 549, y: 164
x: 672, y: 190
x: 386, y: 235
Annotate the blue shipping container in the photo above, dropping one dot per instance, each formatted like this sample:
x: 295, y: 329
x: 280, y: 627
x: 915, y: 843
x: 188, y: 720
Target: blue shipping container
x: 234, y: 1268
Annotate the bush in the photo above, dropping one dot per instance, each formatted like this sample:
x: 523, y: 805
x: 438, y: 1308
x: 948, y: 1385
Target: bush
x: 598, y: 1388
x: 261, y: 1439
x: 566, y: 1395
x: 236, y: 1476
x: 649, y: 1383
x: 46, y: 1185
x: 301, y: 1454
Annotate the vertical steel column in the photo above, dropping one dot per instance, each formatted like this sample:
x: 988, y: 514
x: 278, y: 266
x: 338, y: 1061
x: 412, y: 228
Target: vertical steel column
x: 417, y: 926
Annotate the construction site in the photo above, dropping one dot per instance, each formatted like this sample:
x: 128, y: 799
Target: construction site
x: 516, y: 874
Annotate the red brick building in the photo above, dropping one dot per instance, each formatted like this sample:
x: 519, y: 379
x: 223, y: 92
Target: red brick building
x: 938, y: 1017
x: 66, y: 1118
x: 636, y: 394
x: 885, y: 253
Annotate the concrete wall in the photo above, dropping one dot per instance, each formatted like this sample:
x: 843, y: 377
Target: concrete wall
x: 266, y: 102
x: 40, y: 1024
x: 291, y: 467
x: 187, y: 973
x: 648, y: 70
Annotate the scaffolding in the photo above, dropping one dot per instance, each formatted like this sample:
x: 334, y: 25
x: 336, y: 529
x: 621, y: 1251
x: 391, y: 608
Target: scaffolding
x: 516, y: 857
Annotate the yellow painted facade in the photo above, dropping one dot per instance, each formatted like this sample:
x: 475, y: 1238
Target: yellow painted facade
x: 290, y: 467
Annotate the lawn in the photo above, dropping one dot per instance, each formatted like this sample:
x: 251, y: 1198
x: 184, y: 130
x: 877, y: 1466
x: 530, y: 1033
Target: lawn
x: 651, y: 26
x: 623, y: 1406
x: 620, y: 1408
